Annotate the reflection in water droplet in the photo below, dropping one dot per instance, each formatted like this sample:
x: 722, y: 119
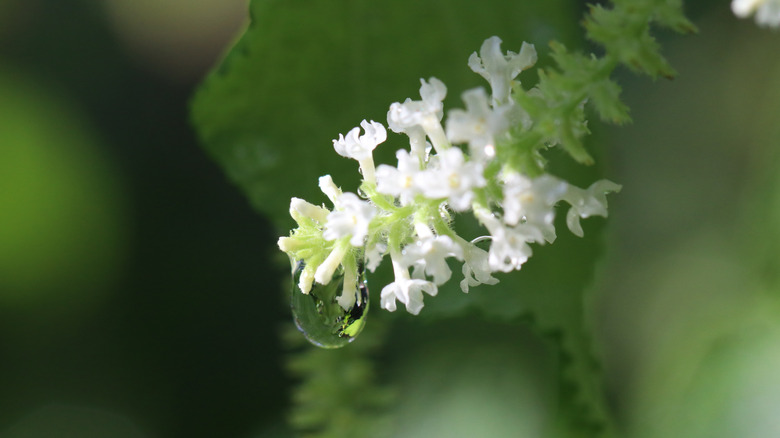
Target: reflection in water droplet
x: 321, y: 318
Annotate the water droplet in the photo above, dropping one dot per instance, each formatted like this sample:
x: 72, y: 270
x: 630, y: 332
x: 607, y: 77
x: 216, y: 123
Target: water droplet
x: 321, y: 318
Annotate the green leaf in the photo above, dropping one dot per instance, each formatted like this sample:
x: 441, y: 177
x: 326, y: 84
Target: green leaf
x: 624, y: 31
x: 339, y: 395
x: 306, y: 71
x: 605, y: 96
x: 548, y: 296
x: 669, y: 13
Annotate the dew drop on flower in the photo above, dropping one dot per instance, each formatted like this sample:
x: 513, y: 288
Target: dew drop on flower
x: 321, y: 318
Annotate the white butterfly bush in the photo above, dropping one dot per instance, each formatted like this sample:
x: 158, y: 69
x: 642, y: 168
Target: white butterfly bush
x: 404, y: 211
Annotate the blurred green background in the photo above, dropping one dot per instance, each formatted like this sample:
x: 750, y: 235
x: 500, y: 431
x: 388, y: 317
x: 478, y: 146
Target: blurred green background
x: 140, y: 294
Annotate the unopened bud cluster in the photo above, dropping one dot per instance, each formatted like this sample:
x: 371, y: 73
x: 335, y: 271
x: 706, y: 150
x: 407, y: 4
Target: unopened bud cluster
x: 455, y: 166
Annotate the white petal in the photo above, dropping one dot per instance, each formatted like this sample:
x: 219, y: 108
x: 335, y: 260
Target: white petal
x: 359, y: 147
x: 500, y: 69
x: 388, y: 297
x: 329, y: 188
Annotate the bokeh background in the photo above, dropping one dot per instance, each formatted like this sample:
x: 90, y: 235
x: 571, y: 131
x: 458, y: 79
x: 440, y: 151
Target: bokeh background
x: 140, y: 294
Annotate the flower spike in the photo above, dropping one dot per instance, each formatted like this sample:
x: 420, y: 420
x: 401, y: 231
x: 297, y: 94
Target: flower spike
x: 405, y: 210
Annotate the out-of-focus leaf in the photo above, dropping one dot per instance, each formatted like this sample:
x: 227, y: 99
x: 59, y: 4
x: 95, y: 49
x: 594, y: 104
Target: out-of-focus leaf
x: 61, y: 226
x: 548, y: 295
x: 478, y: 378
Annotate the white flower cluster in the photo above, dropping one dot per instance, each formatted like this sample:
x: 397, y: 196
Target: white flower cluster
x: 767, y: 11
x: 405, y: 209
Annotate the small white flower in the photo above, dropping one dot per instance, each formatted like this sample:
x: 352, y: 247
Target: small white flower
x: 350, y: 217
x: 405, y: 289
x: 500, y: 69
x: 399, y: 181
x: 360, y: 147
x: 532, y: 201
x: 588, y: 202
x: 414, y: 113
x: 430, y: 253
x: 325, y: 270
x: 300, y: 208
x: 509, y: 245
x: 287, y: 244
x: 416, y: 118
x: 476, y: 269
x: 409, y: 292
x: 478, y: 125
x: 510, y: 248
x: 374, y: 255
x: 329, y: 188
x: 767, y: 11
x: 450, y: 176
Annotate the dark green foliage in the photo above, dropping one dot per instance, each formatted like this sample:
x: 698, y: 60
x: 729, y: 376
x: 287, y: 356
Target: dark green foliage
x: 624, y: 31
x: 338, y: 396
x: 555, y: 105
